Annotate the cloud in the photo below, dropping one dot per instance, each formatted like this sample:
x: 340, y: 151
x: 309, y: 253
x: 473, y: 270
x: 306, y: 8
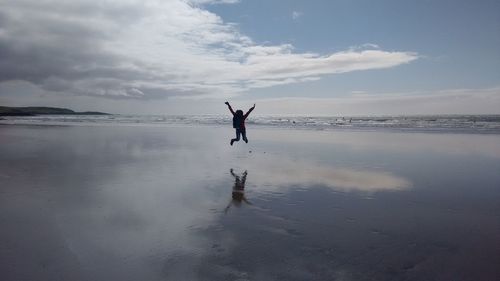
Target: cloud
x: 214, y: 2
x: 154, y: 49
x: 296, y: 15
x: 364, y: 47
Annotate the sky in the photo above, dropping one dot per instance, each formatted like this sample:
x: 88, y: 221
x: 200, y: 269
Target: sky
x: 308, y: 57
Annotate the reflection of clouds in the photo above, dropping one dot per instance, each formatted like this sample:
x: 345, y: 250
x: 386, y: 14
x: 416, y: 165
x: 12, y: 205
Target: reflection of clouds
x: 127, y: 201
x: 112, y: 199
x: 285, y: 172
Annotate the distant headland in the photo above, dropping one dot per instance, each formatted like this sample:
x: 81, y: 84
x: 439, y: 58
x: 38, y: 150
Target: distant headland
x: 37, y: 110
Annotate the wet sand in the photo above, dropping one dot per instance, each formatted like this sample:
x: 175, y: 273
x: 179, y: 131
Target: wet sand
x: 161, y: 203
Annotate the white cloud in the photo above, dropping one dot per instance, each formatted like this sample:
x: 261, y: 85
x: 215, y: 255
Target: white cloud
x: 296, y: 15
x: 153, y: 49
x: 213, y: 2
x: 365, y: 46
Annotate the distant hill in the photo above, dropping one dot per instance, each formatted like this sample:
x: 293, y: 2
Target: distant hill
x: 35, y: 110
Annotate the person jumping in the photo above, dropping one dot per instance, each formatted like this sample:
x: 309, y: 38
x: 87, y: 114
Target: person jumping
x: 239, y: 122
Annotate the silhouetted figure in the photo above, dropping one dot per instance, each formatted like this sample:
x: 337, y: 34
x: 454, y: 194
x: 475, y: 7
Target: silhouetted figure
x: 238, y: 193
x: 239, y: 122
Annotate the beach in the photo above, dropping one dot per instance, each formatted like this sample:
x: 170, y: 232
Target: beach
x: 177, y: 202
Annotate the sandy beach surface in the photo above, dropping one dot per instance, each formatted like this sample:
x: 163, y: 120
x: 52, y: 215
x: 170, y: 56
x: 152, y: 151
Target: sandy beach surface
x: 179, y: 203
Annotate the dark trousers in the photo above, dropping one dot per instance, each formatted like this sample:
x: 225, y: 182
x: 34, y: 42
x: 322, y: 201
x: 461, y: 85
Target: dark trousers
x: 242, y: 132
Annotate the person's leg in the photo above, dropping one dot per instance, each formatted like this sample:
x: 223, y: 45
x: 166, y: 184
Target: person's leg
x: 244, y: 134
x: 238, y: 133
x: 237, y: 136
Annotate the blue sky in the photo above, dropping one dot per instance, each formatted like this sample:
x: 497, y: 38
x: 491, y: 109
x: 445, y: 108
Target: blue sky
x: 458, y: 41
x: 289, y: 57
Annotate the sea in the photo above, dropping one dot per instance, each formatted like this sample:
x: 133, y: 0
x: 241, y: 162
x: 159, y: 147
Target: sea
x: 487, y: 124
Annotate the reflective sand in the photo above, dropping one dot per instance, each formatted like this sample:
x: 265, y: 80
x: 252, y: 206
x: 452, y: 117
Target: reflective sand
x: 161, y: 203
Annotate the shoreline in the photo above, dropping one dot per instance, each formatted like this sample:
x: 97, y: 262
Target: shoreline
x: 465, y: 124
x: 452, y: 131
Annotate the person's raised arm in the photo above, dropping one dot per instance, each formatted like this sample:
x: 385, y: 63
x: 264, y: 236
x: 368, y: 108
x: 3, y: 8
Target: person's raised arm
x: 230, y: 108
x: 250, y: 110
x: 244, y: 178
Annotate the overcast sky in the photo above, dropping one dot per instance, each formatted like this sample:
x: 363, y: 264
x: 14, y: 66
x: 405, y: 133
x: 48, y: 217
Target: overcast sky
x: 331, y: 57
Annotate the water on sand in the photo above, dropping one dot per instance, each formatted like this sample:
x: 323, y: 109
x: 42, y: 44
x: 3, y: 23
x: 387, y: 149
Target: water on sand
x: 150, y: 203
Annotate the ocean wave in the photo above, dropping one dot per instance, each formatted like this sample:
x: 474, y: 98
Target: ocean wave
x: 450, y: 123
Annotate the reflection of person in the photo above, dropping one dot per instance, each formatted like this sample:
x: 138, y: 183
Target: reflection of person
x: 238, y: 194
x: 239, y: 122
